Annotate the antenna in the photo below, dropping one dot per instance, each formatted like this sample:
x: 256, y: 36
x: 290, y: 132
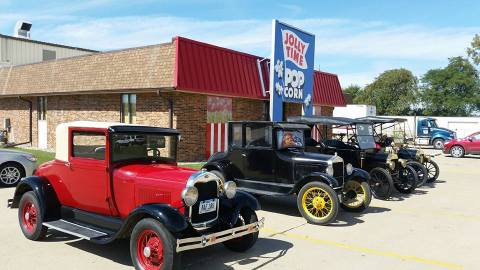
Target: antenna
x: 22, y: 29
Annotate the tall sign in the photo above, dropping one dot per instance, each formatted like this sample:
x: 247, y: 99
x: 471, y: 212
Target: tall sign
x: 291, y: 69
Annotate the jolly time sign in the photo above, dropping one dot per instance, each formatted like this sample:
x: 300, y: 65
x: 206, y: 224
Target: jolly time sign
x: 291, y: 75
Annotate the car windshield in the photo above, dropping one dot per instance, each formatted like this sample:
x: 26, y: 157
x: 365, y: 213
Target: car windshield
x: 134, y: 146
x: 365, y: 136
x: 432, y: 123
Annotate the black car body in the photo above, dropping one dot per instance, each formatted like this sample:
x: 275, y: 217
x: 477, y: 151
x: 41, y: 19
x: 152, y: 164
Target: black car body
x: 269, y: 158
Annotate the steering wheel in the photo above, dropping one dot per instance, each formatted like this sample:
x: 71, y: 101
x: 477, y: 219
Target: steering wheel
x: 155, y: 152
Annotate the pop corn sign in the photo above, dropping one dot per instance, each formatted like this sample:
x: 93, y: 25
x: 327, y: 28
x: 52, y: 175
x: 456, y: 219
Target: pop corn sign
x: 291, y: 75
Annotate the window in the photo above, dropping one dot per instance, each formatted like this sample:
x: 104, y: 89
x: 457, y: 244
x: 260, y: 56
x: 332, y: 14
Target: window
x: 89, y: 145
x: 42, y: 108
x: 237, y: 135
x: 290, y: 139
x: 134, y: 146
x: 49, y: 55
x: 476, y: 137
x: 259, y: 136
x: 128, y: 111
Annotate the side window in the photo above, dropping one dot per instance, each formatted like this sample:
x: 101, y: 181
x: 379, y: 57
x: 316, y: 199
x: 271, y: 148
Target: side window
x: 237, y: 135
x: 258, y: 136
x: 88, y: 145
x: 476, y: 137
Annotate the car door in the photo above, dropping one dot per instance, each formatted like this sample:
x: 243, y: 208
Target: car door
x: 236, y: 150
x: 87, y: 175
x: 259, y: 161
x: 475, y: 144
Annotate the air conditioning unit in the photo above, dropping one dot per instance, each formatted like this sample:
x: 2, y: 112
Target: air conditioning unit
x: 22, y: 29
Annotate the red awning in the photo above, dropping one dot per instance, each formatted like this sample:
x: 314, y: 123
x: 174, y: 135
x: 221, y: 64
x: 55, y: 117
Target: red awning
x: 205, y: 68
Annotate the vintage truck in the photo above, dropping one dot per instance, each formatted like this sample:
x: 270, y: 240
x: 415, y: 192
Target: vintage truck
x: 111, y: 181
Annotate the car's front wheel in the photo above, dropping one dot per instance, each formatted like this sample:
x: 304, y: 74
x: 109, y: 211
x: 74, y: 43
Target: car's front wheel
x: 438, y: 143
x: 457, y: 151
x: 421, y: 172
x: 10, y: 174
x: 244, y: 243
x: 407, y: 180
x: 318, y: 203
x: 30, y: 217
x: 152, y: 246
x: 381, y: 183
x: 356, y: 196
x: 433, y: 170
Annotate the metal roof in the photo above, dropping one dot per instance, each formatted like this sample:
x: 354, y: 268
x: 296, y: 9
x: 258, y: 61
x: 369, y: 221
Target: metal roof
x: 381, y: 120
x: 205, y: 68
x: 47, y: 43
x: 326, y: 120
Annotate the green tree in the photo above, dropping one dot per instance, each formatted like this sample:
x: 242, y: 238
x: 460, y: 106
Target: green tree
x: 353, y: 90
x: 451, y: 91
x: 393, y: 92
x: 474, y: 50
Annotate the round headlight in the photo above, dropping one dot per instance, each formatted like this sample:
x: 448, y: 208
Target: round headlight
x: 190, y: 195
x: 230, y: 189
x: 391, y: 165
x: 349, y: 169
x: 329, y: 170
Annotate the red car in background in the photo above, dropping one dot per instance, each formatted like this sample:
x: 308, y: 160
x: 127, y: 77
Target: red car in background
x: 461, y: 147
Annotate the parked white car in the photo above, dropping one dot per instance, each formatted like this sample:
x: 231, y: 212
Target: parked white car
x: 14, y: 165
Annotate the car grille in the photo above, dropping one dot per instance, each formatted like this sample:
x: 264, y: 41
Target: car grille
x: 338, y: 172
x: 206, y: 191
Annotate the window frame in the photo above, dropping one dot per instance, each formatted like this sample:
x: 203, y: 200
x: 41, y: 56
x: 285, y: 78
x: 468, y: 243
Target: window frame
x: 97, y: 131
x: 231, y: 134
x: 129, y: 108
x: 42, y: 103
x: 271, y: 147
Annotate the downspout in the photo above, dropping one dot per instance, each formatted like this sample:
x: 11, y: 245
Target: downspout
x: 170, y: 111
x: 30, y: 107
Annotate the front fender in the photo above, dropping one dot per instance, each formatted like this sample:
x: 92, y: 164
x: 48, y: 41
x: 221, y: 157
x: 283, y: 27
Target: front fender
x: 316, y: 176
x: 170, y: 217
x: 230, y: 208
x: 47, y: 199
x: 359, y: 175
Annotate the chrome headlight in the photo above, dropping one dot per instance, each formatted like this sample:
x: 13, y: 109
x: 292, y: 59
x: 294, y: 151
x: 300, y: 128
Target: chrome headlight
x: 329, y: 170
x: 190, y: 195
x: 349, y: 168
x: 230, y: 189
x: 403, y: 162
x: 391, y: 165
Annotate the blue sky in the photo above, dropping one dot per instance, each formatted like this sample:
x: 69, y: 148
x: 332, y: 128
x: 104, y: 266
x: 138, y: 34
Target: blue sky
x: 355, y: 39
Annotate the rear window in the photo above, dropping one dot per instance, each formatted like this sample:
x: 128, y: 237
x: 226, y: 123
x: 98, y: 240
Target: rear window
x: 290, y: 139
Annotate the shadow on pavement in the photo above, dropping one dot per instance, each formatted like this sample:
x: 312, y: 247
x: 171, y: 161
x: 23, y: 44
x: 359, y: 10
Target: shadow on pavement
x: 287, y: 205
x: 265, y: 251
x: 397, y: 196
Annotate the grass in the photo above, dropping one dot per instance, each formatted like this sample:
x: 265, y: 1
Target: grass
x: 44, y: 156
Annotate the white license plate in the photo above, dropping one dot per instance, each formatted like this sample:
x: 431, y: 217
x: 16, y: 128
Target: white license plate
x: 207, y: 206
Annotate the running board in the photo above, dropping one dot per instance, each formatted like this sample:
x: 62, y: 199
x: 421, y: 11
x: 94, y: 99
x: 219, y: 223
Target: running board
x: 261, y: 192
x: 74, y: 229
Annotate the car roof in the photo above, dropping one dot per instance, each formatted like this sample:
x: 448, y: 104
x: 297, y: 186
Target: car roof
x: 381, y: 120
x: 284, y: 125
x: 326, y: 120
x: 62, y: 143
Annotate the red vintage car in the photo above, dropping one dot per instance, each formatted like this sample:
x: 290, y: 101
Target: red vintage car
x: 465, y: 146
x: 112, y: 181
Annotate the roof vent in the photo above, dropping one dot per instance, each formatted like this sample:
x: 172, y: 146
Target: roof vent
x: 22, y: 29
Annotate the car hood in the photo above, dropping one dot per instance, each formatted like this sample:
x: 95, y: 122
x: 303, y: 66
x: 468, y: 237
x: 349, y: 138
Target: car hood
x: 157, y: 173
x: 14, y: 153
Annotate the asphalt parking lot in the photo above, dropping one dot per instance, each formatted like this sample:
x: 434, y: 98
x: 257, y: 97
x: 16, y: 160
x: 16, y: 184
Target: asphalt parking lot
x: 434, y: 228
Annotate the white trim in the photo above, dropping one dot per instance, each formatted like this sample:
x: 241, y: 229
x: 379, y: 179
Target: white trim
x: 212, y: 138
x: 260, y: 75
x: 219, y: 138
x: 272, y: 70
x: 226, y: 137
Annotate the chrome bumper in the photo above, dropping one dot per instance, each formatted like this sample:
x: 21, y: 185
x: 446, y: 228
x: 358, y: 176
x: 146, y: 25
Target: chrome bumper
x: 218, y: 237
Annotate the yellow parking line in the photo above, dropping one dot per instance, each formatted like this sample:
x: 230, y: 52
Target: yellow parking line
x: 446, y: 265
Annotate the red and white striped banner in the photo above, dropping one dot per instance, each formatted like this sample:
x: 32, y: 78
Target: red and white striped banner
x: 316, y: 134
x: 217, y: 138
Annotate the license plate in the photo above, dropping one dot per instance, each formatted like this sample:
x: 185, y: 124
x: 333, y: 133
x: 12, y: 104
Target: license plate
x: 207, y: 206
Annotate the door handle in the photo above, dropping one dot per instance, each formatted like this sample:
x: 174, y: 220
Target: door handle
x: 68, y: 164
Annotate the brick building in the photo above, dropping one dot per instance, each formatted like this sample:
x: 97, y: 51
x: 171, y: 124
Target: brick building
x: 185, y: 84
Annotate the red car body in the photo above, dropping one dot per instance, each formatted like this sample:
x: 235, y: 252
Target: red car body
x: 469, y: 145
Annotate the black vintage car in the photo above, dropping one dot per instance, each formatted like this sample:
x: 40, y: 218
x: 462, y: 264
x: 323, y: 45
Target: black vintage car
x: 427, y: 168
x: 269, y: 158
x: 386, y: 169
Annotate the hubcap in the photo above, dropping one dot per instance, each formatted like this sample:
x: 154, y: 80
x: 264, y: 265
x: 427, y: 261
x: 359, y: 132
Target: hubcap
x: 150, y: 250
x: 9, y: 175
x: 317, y: 203
x: 354, y: 194
x: 457, y: 151
x: 29, y: 212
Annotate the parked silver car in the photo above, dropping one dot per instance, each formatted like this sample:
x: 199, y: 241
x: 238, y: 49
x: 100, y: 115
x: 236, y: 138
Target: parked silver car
x: 14, y: 165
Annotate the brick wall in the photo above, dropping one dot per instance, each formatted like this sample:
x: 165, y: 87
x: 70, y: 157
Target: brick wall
x: 248, y: 109
x: 18, y: 112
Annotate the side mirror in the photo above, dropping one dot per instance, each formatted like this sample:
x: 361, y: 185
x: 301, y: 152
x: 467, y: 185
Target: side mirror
x: 470, y: 139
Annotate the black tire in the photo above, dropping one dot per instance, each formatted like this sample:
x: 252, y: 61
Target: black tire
x: 407, y: 180
x: 457, y: 151
x: 30, y: 217
x: 433, y: 170
x: 326, y: 199
x: 422, y: 172
x: 356, y: 197
x: 10, y: 174
x: 438, y: 143
x: 244, y: 243
x: 153, y: 228
x: 381, y: 183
